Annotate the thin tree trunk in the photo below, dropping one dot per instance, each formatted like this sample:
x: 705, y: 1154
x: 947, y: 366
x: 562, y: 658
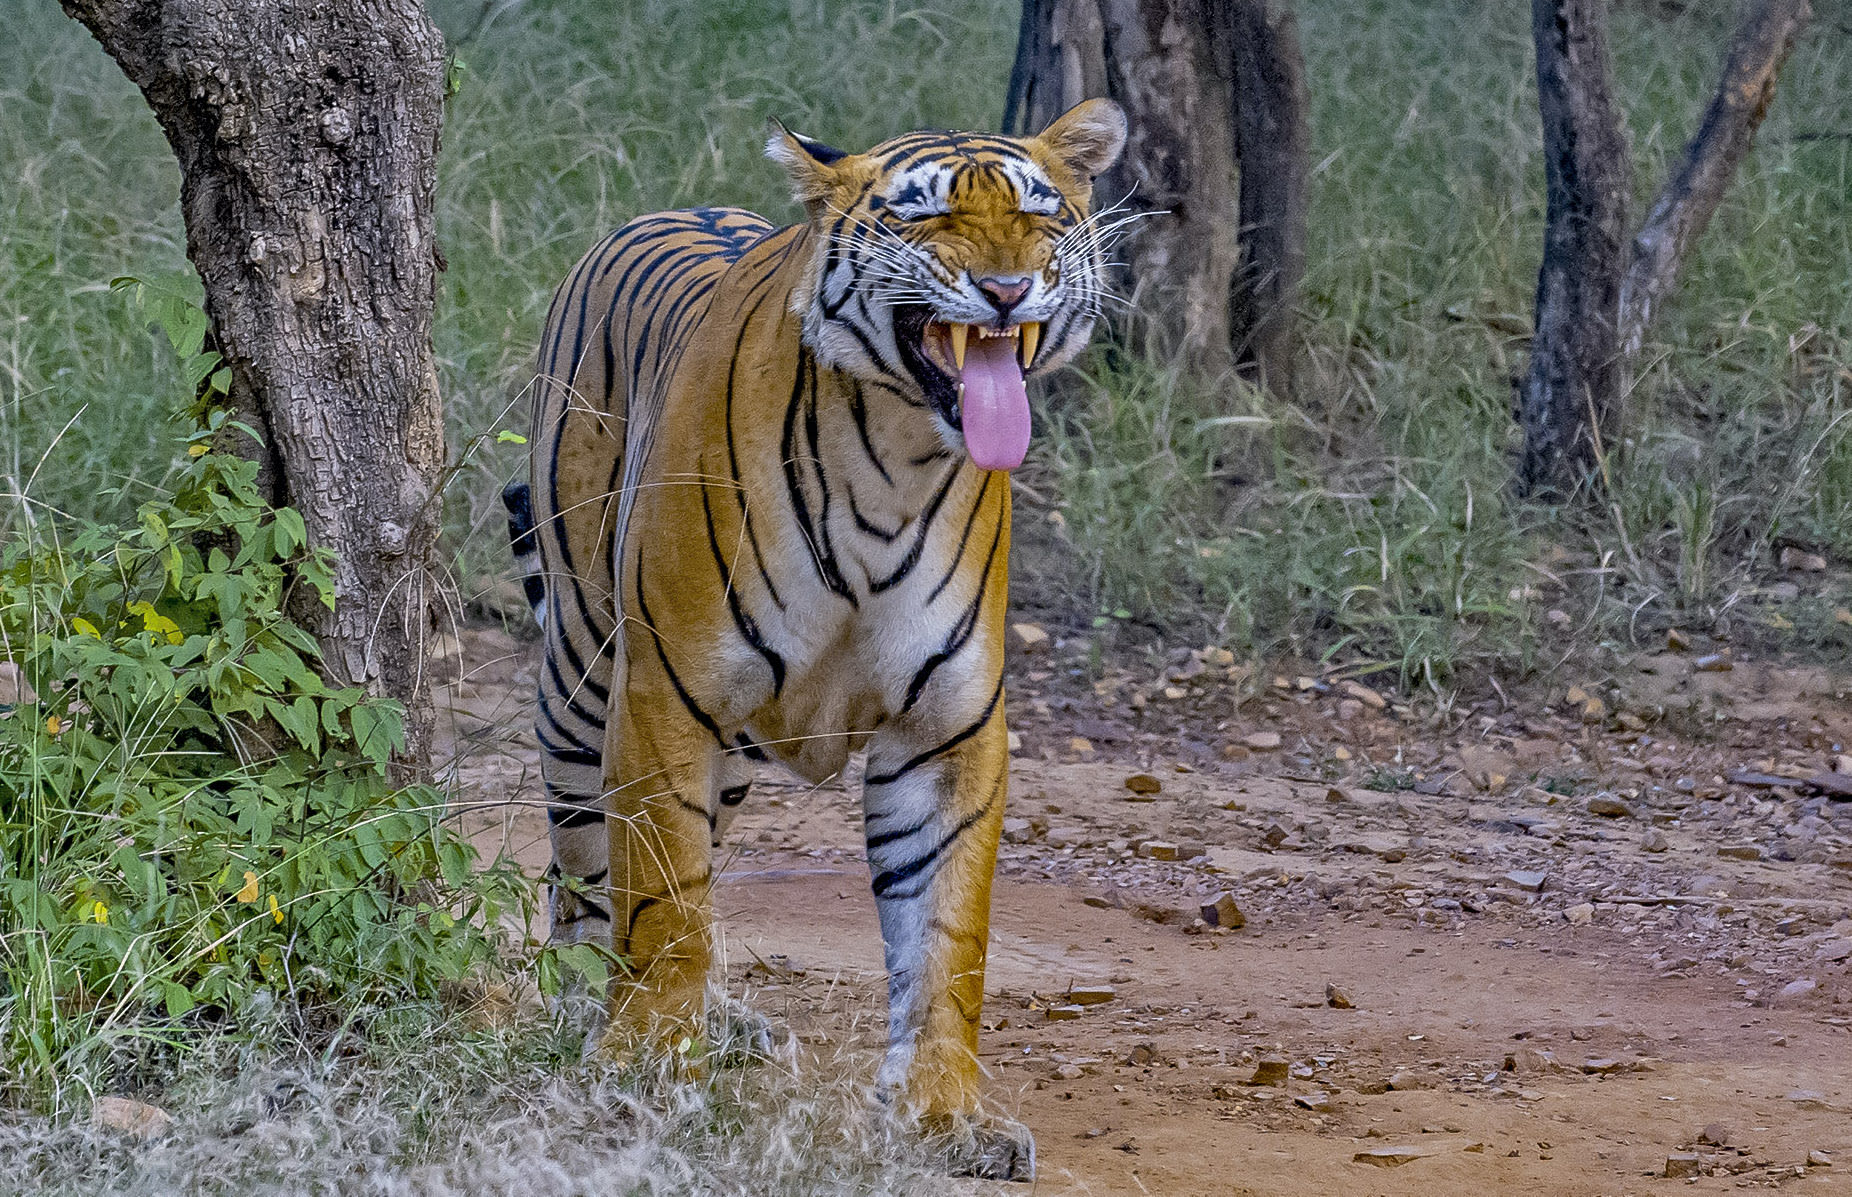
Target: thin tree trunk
x: 1212, y: 275
x: 1272, y: 152
x: 1572, y: 382
x: 307, y: 134
x: 1685, y: 205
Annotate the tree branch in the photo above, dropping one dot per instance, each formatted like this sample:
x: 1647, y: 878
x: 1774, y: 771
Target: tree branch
x: 1685, y: 205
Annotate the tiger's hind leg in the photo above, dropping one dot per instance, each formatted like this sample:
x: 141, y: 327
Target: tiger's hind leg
x: 662, y: 774
x: 575, y: 682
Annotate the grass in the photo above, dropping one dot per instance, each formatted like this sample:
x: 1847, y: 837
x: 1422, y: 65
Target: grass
x: 421, y: 1101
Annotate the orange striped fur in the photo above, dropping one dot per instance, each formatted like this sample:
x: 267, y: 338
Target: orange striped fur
x: 761, y: 537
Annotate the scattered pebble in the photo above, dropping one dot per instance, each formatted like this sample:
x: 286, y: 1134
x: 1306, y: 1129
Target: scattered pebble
x: 1336, y: 998
x: 1143, y: 783
x: 1265, y: 741
x: 1221, y: 911
x: 131, y: 1117
x: 1682, y: 1166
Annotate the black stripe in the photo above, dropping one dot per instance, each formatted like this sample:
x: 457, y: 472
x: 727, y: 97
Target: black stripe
x: 681, y: 691
x: 862, y: 522
x: 748, y: 626
x: 960, y: 634
x: 894, y: 775
x: 794, y: 486
x: 887, y: 879
x: 919, y: 540
x: 566, y: 818
x: 858, y: 407
x: 733, y: 458
x: 965, y: 536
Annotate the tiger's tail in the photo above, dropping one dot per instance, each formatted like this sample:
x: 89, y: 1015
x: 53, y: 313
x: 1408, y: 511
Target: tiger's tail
x: 525, y: 546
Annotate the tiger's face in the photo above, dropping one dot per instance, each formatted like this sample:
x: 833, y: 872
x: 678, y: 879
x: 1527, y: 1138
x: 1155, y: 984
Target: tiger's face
x: 951, y: 266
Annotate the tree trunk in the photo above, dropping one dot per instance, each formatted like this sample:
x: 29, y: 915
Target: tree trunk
x: 307, y: 134
x: 1206, y: 85
x: 1685, y: 205
x: 1570, y: 388
x: 1272, y: 152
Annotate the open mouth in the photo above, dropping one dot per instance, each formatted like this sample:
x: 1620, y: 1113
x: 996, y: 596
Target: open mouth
x: 973, y: 375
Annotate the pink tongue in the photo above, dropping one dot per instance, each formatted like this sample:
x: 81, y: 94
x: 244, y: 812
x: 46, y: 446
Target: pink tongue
x: 996, y: 407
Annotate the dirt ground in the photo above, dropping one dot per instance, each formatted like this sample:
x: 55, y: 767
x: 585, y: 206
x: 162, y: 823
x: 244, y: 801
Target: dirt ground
x: 1558, y: 941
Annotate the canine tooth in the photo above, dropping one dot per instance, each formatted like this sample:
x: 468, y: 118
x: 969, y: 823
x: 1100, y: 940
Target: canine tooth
x: 958, y: 333
x: 1031, y: 340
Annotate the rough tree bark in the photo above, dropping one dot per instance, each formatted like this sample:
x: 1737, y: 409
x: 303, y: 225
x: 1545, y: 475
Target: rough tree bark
x: 307, y: 135
x: 1572, y: 381
x: 1213, y: 90
x: 1685, y: 205
x: 1273, y: 154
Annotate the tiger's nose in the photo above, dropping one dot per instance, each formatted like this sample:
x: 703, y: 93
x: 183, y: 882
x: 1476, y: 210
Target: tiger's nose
x: 1004, y: 293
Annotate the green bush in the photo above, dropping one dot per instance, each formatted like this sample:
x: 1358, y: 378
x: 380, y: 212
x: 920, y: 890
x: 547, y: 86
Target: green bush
x: 191, y: 818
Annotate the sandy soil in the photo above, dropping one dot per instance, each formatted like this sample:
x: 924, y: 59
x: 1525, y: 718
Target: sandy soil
x: 1540, y: 943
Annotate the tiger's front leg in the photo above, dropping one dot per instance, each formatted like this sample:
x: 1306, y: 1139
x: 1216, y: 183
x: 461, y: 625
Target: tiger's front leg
x: 933, y: 809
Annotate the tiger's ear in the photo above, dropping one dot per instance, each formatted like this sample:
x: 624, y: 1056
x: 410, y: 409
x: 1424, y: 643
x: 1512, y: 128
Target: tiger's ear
x: 1087, y: 137
x: 811, y: 164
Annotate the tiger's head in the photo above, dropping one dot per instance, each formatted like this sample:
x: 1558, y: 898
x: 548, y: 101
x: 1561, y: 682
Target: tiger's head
x: 950, y: 266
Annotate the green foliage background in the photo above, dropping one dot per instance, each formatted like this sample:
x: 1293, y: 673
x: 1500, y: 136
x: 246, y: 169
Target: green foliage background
x: 1370, y: 518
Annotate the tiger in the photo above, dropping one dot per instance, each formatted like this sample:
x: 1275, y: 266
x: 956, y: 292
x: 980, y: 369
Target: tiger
x: 770, y: 503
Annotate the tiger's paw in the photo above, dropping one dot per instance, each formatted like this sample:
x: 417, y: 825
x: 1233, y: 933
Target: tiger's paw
x: 987, y: 1148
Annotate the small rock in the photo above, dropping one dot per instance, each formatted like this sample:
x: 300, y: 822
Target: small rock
x: 1528, y: 880
x: 1819, y: 1159
x: 1265, y: 741
x: 1018, y: 831
x: 1682, y: 1166
x: 1654, y: 841
x: 1064, y: 1013
x: 1713, y: 663
x: 1158, y: 850
x: 1529, y: 1061
x: 1029, y: 638
x: 1740, y: 851
x: 1806, y: 1099
x: 1222, y: 911
x: 1317, y: 1101
x: 1835, y: 950
x: 1581, y: 914
x: 1403, y: 1079
x: 1079, y: 744
x: 1609, y: 807
x: 1677, y: 641
x: 131, y: 1117
x: 1090, y: 995
x: 1605, y: 1066
x: 1802, y: 562
x: 1232, y: 751
x: 1363, y: 694
x: 1069, y: 1072
x: 1800, y: 988
x: 1717, y: 1134
x: 1142, y: 1054
x: 1389, y: 1157
x: 1336, y: 998
x: 1271, y: 1070
x: 1143, y: 783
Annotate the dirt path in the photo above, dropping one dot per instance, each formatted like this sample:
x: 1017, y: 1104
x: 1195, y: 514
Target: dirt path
x: 1547, y: 992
